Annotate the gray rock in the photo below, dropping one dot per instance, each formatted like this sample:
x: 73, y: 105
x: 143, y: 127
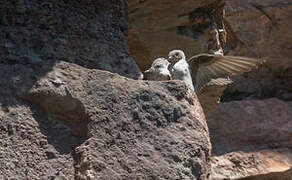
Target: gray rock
x: 65, y: 30
x: 93, y: 124
x: 251, y: 138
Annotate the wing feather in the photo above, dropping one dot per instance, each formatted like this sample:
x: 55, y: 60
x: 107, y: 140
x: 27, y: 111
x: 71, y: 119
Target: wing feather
x: 205, y: 67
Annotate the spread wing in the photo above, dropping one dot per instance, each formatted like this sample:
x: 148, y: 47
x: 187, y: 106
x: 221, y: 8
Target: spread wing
x: 205, y: 67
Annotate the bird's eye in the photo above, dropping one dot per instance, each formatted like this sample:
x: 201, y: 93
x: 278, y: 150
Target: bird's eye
x: 158, y: 66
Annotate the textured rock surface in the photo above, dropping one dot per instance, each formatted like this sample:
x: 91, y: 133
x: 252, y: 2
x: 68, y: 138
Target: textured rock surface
x: 31, y: 146
x: 92, y: 124
x: 261, y: 164
x: 89, y: 33
x: 287, y: 175
x: 255, y: 139
x: 250, y: 138
x: 262, y: 28
x: 156, y: 27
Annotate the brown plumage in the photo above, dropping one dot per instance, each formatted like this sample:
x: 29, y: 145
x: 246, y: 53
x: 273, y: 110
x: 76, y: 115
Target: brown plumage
x: 205, y: 67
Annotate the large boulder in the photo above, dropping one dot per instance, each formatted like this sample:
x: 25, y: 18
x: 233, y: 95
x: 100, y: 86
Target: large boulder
x: 66, y: 121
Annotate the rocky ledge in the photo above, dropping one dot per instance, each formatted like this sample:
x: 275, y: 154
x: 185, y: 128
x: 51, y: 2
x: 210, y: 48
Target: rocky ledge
x: 72, y: 122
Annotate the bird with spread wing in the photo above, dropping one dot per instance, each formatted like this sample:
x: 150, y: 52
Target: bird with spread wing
x: 206, y: 67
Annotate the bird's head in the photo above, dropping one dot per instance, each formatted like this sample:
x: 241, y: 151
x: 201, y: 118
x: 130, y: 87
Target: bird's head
x: 158, y: 70
x: 176, y: 55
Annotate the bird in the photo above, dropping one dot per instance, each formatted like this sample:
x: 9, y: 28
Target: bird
x: 204, y: 67
x: 179, y: 67
x: 158, y: 70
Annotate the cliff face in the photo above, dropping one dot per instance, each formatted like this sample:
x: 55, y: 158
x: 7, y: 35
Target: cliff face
x: 251, y: 137
x: 262, y: 28
x: 63, y: 117
x: 156, y: 27
x: 88, y: 33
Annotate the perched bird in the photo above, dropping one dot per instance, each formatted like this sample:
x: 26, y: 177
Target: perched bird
x: 179, y: 68
x: 205, y: 67
x: 158, y: 70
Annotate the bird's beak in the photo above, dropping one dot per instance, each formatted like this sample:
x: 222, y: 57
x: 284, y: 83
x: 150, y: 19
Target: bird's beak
x: 146, y: 74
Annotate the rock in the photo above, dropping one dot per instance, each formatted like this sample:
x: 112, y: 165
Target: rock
x: 289, y: 103
x: 247, y: 164
x: 156, y: 27
x: 93, y: 124
x: 31, y: 145
x: 89, y: 33
x: 263, y: 29
x: 275, y: 176
x: 251, y: 138
x: 135, y: 129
